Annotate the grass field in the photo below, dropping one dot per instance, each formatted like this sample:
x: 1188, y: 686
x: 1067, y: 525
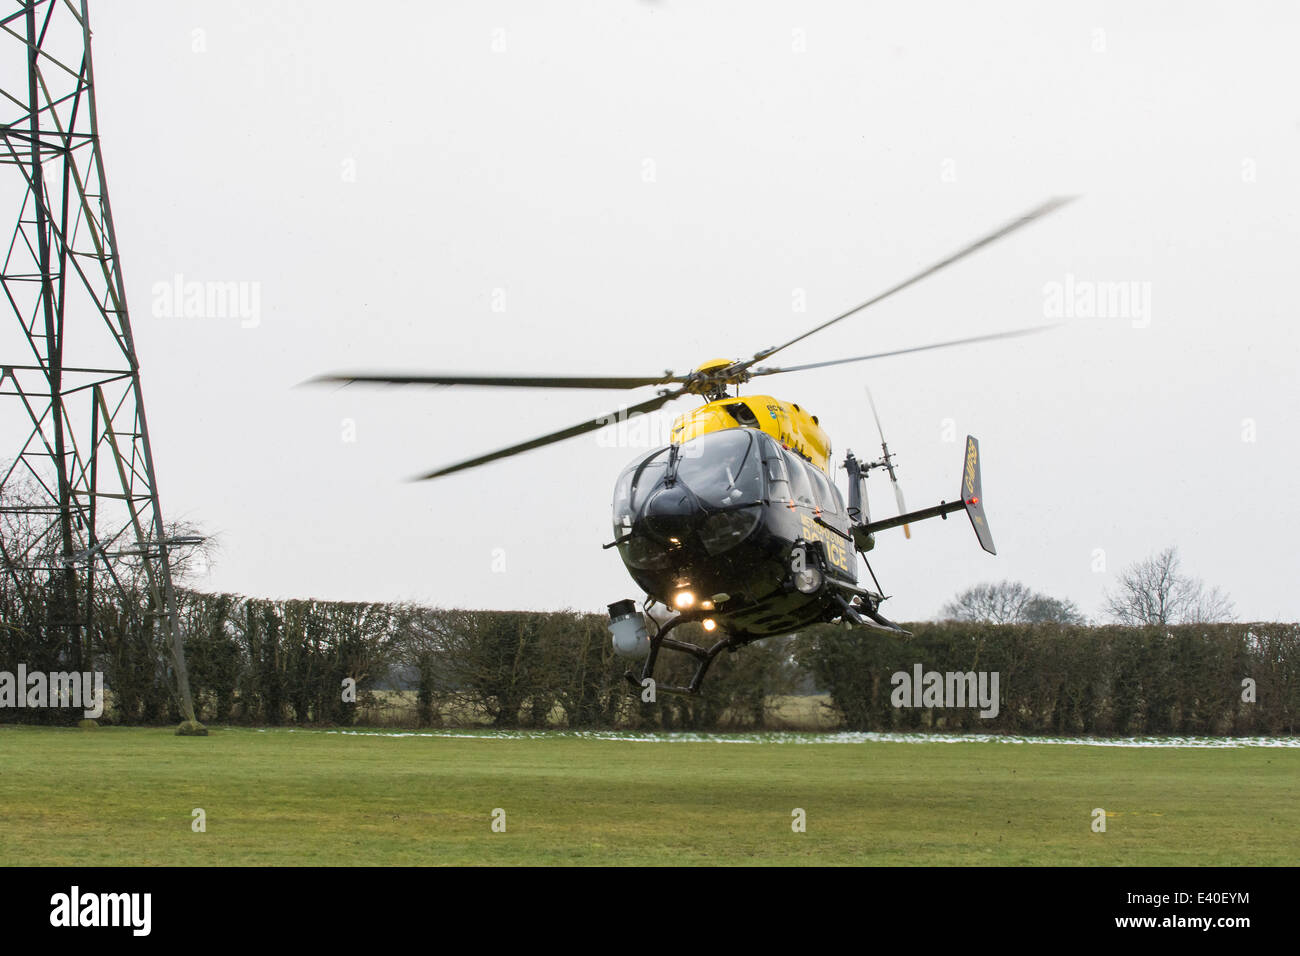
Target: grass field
x: 125, y: 796
x: 397, y: 709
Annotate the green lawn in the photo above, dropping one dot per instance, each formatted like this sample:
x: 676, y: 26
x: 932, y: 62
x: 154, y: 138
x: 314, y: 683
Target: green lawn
x: 125, y: 796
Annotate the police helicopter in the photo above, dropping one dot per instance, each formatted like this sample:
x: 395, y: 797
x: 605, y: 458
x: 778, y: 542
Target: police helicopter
x: 737, y: 523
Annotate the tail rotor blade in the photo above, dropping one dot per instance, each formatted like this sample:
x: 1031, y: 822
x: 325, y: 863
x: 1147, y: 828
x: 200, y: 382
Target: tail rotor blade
x: 889, y: 464
x: 902, y: 508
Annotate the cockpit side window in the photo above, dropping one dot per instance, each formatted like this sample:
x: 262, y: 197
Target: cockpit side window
x: 623, y: 497
x: 636, y: 481
x: 838, y: 498
x: 800, y: 483
x: 778, y: 478
x: 827, y: 498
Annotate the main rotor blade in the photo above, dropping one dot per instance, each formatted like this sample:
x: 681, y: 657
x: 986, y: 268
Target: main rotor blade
x: 498, y: 381
x: 1037, y: 213
x: 876, y: 415
x: 590, y: 426
x: 916, y: 348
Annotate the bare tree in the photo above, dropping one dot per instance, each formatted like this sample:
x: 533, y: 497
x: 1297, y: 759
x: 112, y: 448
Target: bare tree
x: 1049, y: 609
x: 1001, y: 603
x: 1010, y: 602
x: 1210, y: 606
x: 1156, y: 591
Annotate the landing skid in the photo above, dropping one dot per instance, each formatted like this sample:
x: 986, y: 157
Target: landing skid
x: 866, y: 615
x: 704, y: 656
x: 863, y: 614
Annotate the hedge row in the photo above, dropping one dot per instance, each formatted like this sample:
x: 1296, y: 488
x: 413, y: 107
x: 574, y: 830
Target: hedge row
x: 290, y: 662
x: 1065, y: 679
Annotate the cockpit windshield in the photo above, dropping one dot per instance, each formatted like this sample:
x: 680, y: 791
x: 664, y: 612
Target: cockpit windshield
x: 722, y: 469
x: 636, y: 482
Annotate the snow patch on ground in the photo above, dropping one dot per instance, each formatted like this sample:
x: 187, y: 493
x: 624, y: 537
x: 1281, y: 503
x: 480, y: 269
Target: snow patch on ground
x: 833, y: 738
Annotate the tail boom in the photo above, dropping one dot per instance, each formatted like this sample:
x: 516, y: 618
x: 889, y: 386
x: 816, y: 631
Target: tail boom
x: 971, y: 500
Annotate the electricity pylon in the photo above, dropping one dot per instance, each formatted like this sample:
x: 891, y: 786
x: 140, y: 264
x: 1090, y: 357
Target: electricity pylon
x: 68, y: 369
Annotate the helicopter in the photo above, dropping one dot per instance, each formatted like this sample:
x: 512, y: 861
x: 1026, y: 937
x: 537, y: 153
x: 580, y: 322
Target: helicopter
x: 737, y: 524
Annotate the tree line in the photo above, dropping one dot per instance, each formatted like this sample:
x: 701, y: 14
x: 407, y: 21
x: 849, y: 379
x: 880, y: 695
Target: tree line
x: 326, y: 663
x: 1195, y: 679
x: 1153, y: 591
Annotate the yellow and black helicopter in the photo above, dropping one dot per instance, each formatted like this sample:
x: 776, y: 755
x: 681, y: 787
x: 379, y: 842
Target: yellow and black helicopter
x: 737, y: 523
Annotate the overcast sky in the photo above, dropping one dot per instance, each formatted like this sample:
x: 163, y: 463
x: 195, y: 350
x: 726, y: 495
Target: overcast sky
x: 628, y: 187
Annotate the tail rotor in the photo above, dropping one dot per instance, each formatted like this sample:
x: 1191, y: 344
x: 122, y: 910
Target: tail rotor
x: 887, y: 462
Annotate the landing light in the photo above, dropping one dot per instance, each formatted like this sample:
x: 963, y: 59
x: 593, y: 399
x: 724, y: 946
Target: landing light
x: 683, y: 600
x: 709, y: 624
x: 808, y: 581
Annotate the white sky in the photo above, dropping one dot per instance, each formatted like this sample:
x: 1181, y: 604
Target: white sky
x: 377, y: 171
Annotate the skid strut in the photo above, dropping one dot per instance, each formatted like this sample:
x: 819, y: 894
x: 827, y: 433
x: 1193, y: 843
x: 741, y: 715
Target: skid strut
x: 704, y: 656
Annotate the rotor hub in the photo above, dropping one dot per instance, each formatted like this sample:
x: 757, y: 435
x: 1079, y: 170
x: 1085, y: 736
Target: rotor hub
x: 712, y: 378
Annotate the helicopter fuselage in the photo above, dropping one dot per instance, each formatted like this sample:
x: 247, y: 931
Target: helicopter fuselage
x: 722, y: 519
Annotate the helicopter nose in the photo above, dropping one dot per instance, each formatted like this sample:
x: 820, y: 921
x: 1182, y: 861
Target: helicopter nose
x: 671, y: 514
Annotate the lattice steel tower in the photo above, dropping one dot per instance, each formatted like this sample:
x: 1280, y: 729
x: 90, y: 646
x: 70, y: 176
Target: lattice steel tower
x: 82, y: 476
